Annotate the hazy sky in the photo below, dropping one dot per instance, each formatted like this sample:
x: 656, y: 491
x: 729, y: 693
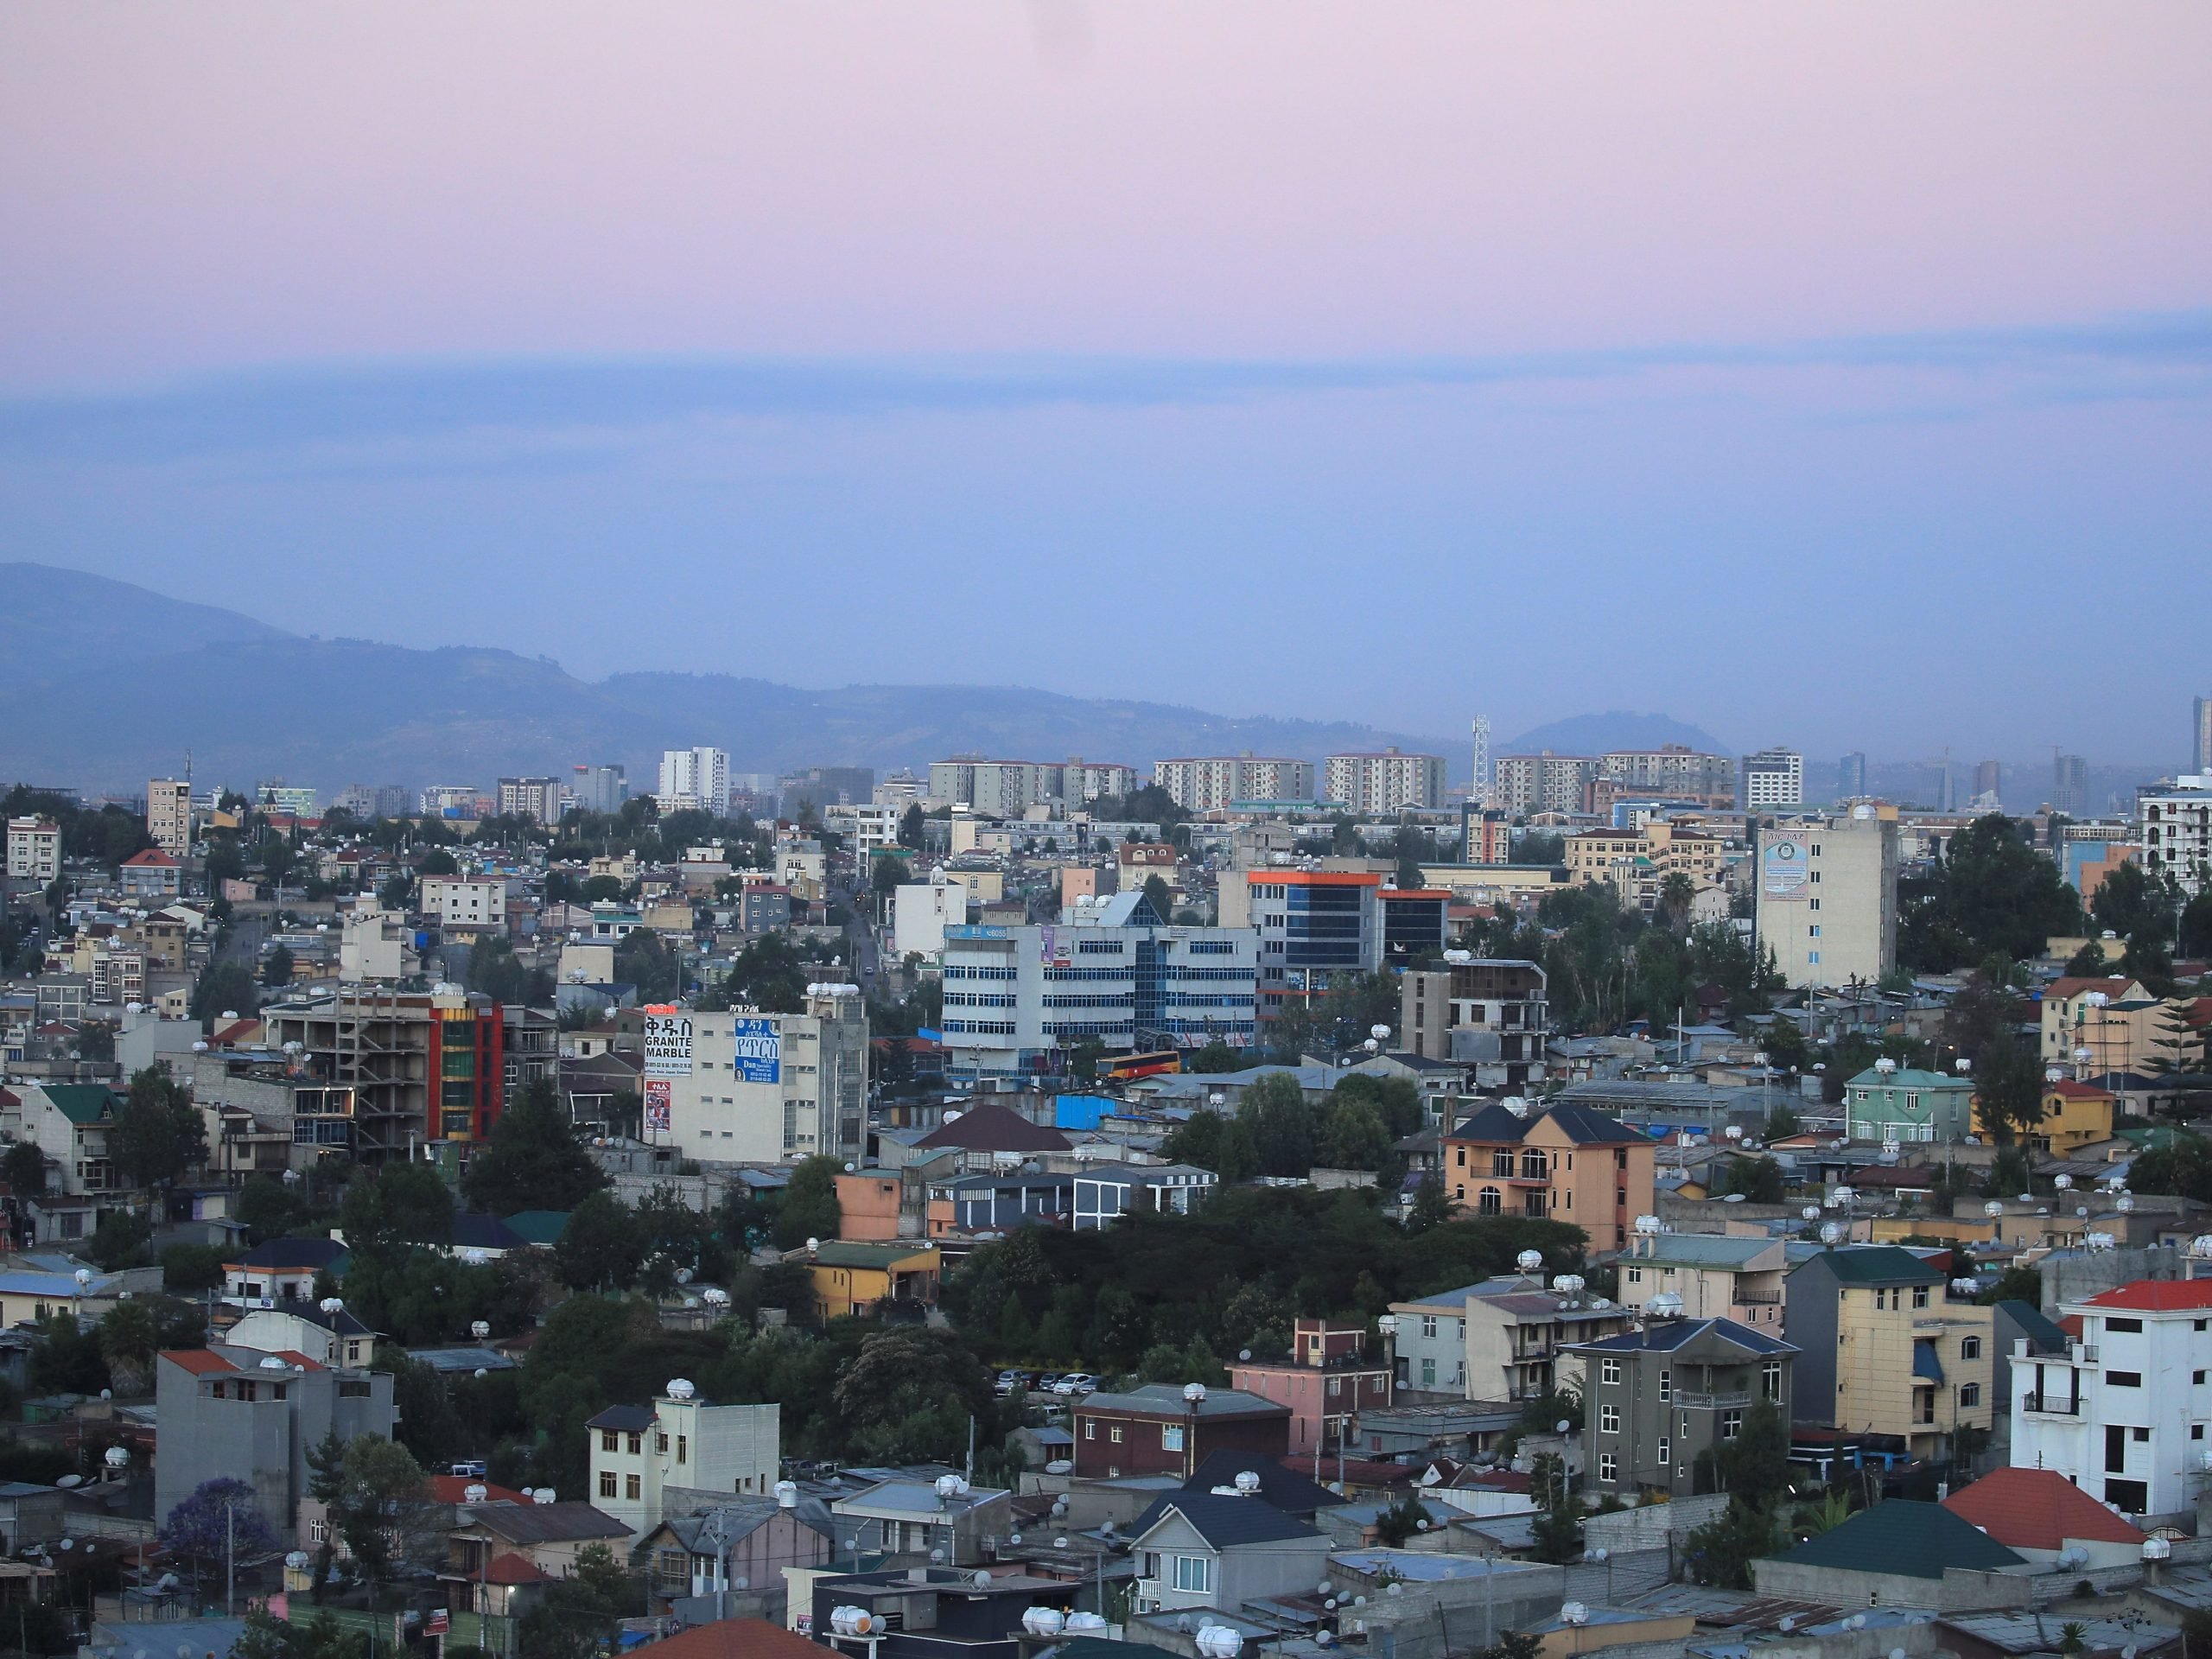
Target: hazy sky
x: 1835, y: 374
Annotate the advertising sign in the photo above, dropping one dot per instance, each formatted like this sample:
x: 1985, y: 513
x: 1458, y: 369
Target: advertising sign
x: 659, y: 1095
x: 1052, y: 950
x: 668, y: 1042
x: 1784, y: 872
x: 759, y: 1047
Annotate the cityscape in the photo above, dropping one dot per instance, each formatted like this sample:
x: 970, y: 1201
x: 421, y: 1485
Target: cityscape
x: 1059, y: 832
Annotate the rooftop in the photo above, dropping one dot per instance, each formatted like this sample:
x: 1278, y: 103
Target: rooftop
x: 1903, y: 1537
x: 1224, y: 1522
x: 2037, y: 1508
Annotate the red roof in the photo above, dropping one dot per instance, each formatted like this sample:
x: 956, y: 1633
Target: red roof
x: 453, y: 1489
x: 2072, y: 1090
x: 199, y: 1361
x: 2064, y: 990
x: 231, y: 1033
x: 152, y: 858
x: 295, y: 1357
x: 2037, y: 1508
x: 511, y: 1569
x: 2156, y: 1295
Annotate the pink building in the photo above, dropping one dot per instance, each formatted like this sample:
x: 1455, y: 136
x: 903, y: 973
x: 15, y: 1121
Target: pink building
x: 1325, y: 1379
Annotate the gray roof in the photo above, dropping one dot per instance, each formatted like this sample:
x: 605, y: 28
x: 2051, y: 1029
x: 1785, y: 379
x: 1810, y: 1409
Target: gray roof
x: 1225, y: 1522
x: 1696, y: 1251
x: 1667, y: 1336
x: 1166, y: 1400
x: 546, y: 1523
x: 632, y: 1417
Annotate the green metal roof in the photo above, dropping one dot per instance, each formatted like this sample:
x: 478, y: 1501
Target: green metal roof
x: 840, y: 1253
x: 1874, y: 1264
x: 538, y: 1226
x: 1906, y: 1538
x: 82, y: 1102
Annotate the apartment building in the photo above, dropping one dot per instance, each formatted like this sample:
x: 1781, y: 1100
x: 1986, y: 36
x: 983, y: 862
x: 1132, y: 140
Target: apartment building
x: 1160, y: 1429
x: 868, y: 829
x: 1544, y: 782
x: 1657, y: 1398
x: 34, y: 849
x: 169, y: 815
x: 291, y: 800
x: 535, y: 799
x: 694, y: 778
x: 1385, y: 783
x: 449, y: 801
x: 2112, y: 1020
x: 1714, y: 1276
x: 69, y: 1123
x: 466, y: 903
x: 1485, y: 833
x: 1883, y: 1348
x: 1773, y: 780
x: 1674, y: 771
x: 1112, y: 970
x: 425, y: 1069
x: 647, y: 1460
x: 2177, y: 831
x: 1827, y: 897
x: 2123, y: 1410
x: 1638, y: 862
x: 1325, y: 1379
x: 1518, y: 1335
x: 1484, y: 1011
x: 152, y: 876
x: 920, y: 912
x: 1568, y: 1163
x: 2074, y: 1115
x: 1214, y: 782
x: 768, y: 1088
x: 814, y: 789
x: 601, y: 789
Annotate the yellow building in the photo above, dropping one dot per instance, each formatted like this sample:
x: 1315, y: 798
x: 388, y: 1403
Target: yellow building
x: 1638, y: 862
x: 2115, y: 1018
x: 2074, y: 1114
x: 851, y: 1278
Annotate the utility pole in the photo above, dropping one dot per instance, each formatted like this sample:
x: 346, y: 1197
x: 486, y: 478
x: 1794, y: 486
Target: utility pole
x: 230, y: 1557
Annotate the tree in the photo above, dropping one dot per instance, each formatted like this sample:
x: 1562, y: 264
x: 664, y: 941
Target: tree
x: 809, y: 1208
x: 1275, y: 1112
x: 1754, y: 1466
x: 1990, y: 890
x: 386, y: 1511
x: 1721, y: 1552
x: 1556, y: 1532
x: 642, y: 960
x: 2193, y: 937
x: 889, y: 875
x: 1214, y: 1057
x: 157, y: 1133
x: 130, y: 1334
x: 535, y: 1160
x: 1759, y: 1179
x: 2008, y: 1090
x: 223, y: 988
x: 601, y: 1248
x: 1356, y: 1138
x: 218, y: 1523
x: 277, y: 970
x: 438, y: 861
x: 395, y: 1205
x: 910, y: 827
x: 2136, y: 905
x: 24, y: 1167
x: 1430, y: 1207
x: 1393, y: 1525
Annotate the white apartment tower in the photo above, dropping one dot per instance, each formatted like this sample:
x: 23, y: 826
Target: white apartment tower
x: 1773, y: 778
x: 1210, y: 782
x: 1385, y: 782
x: 169, y: 815
x: 694, y: 778
x: 2177, y: 832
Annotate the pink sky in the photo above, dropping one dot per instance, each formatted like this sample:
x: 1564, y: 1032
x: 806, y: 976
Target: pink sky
x: 210, y: 185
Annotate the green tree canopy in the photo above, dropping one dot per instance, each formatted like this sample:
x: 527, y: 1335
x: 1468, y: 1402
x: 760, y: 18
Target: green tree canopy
x: 535, y: 1160
x: 809, y: 1208
x: 157, y: 1134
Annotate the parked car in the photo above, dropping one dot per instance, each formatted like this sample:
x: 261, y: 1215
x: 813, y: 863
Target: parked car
x: 1075, y: 1382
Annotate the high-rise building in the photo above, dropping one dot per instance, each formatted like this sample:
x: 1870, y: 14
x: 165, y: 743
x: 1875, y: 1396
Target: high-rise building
x: 1773, y: 778
x: 424, y: 1069
x: 1675, y: 771
x: 1210, y: 782
x: 1386, y: 782
x: 767, y: 1088
x: 2200, y: 759
x: 1988, y: 778
x: 1543, y: 782
x: 535, y: 799
x: 1482, y: 782
x: 169, y: 815
x: 2069, y: 784
x: 601, y: 789
x: 697, y: 778
x: 815, y: 790
x: 1007, y: 789
x: 1851, y: 776
x: 375, y: 800
x: 34, y: 849
x: 1826, y: 896
x: 294, y: 800
x: 2177, y: 832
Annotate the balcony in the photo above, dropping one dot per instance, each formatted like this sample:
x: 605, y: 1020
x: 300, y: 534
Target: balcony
x: 1711, y: 1401
x: 2052, y: 1405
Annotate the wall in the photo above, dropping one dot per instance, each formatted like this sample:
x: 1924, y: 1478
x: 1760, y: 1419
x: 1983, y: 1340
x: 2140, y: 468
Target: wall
x: 1650, y: 1525
x: 1957, y: 1591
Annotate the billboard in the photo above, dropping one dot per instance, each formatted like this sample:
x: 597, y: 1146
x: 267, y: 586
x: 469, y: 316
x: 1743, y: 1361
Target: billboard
x: 1784, y: 871
x: 760, y: 1046
x: 659, y: 1097
x: 668, y: 1042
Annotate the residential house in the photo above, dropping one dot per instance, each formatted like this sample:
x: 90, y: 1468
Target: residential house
x: 2041, y: 1514
x: 1516, y: 1330
x: 549, y: 1536
x: 68, y: 1121
x: 152, y: 876
x: 1160, y: 1429
x: 2113, y: 1016
x: 946, y: 1522
x: 979, y: 1203
x: 1204, y: 1549
x: 330, y: 1335
x: 1658, y: 1398
x: 748, y: 1542
x: 1104, y: 1195
x: 1883, y: 1349
x: 1894, y: 1555
x: 1486, y: 1014
x: 2122, y: 1409
x: 2074, y: 1114
x: 280, y: 1271
x: 851, y: 1277
x: 1567, y: 1162
x: 1428, y: 1337
x: 640, y: 1454
x: 1716, y: 1276
x: 1885, y: 1102
x: 1326, y: 1380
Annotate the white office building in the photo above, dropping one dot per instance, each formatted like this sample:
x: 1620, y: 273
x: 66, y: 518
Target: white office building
x: 868, y: 828
x: 770, y: 1088
x: 466, y: 902
x: 697, y: 777
x: 1773, y: 778
x: 1826, y: 896
x: 2123, y: 1410
x: 1110, y: 970
x: 34, y: 849
x: 2177, y: 831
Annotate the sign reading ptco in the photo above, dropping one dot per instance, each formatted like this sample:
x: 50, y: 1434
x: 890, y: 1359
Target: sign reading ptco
x: 1784, y: 871
x: 667, y: 1042
x: 760, y: 1050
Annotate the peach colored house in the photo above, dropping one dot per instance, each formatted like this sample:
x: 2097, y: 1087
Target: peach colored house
x: 1324, y: 1379
x: 1566, y: 1163
x: 868, y: 1205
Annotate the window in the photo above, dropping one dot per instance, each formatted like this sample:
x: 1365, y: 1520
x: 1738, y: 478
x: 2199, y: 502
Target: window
x: 660, y: 1442
x: 1666, y: 1386
x: 2124, y: 1379
x: 2123, y: 1327
x: 607, y: 1440
x: 1635, y: 1275
x: 1770, y: 1380
x: 1194, y: 1573
x: 1919, y: 1295
x: 1609, y: 1419
x: 633, y: 1488
x: 1969, y: 1396
x: 683, y: 1445
x: 1428, y: 1324
x: 1428, y: 1373
x: 2140, y: 1436
x: 638, y: 1445
x: 318, y: 1532
x: 1609, y: 1467
x: 1969, y: 1347
x: 1666, y: 1449
x: 1091, y: 1429
x: 1490, y: 1201
x: 1170, y: 1436
x: 1731, y: 1424
x: 1608, y: 1371
x: 2196, y: 1377
x: 607, y: 1483
x: 1115, y: 1434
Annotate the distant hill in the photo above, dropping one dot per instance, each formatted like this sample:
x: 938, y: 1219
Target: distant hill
x: 251, y: 702
x: 1596, y: 734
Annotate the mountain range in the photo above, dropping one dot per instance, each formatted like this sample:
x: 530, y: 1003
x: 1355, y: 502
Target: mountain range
x: 103, y: 684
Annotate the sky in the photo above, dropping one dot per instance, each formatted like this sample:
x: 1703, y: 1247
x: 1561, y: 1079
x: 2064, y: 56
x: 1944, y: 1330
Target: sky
x: 1833, y: 374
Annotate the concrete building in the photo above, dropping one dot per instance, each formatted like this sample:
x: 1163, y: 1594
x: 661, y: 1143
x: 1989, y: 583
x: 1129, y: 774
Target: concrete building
x: 1569, y: 1163
x: 1544, y: 782
x: 2177, y: 832
x: 1884, y: 1350
x: 69, y: 1123
x: 1486, y: 834
x: 770, y: 1088
x: 2069, y: 784
x: 641, y: 1454
x: 535, y: 799
x: 1314, y: 927
x: 868, y: 828
x: 473, y: 904
x: 1326, y: 1380
x: 375, y: 944
x: 1827, y: 898
x: 1638, y: 862
x: 449, y: 801
x: 1482, y: 1012
x: 169, y: 815
x: 1213, y: 783
x: 1674, y: 771
x: 1110, y: 970
x: 293, y: 800
x: 1851, y: 776
x: 1385, y: 783
x: 1517, y: 1333
x: 1104, y: 1193
x: 1716, y: 1276
x: 1204, y: 1549
x: 34, y: 849
x: 151, y: 876
x: 920, y: 912
x: 1773, y: 780
x: 1009, y: 789
x: 812, y: 791
x: 697, y: 777
x: 238, y: 1414
x: 1163, y: 1430
x: 1885, y: 1102
x: 2123, y: 1410
x: 425, y: 1069
x: 1657, y: 1398
x: 2113, y: 1018
x: 601, y: 789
